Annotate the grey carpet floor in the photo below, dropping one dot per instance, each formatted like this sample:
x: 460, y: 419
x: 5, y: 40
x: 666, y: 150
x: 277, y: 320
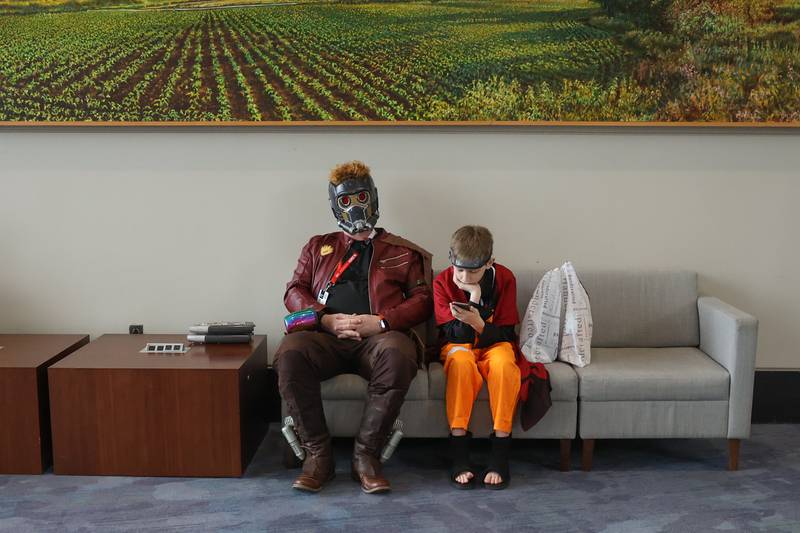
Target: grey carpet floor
x: 636, y: 486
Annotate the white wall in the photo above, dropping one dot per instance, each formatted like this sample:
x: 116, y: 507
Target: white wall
x: 101, y: 228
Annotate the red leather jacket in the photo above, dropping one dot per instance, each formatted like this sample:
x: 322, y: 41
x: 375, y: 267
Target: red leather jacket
x: 399, y: 277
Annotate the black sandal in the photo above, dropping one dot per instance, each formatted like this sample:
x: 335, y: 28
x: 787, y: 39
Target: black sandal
x: 498, y: 461
x: 459, y: 451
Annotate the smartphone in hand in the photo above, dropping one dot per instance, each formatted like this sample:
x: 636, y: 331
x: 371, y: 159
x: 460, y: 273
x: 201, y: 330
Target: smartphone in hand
x: 462, y: 305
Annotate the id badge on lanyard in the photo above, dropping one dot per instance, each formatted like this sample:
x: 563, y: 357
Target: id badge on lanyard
x: 323, y: 295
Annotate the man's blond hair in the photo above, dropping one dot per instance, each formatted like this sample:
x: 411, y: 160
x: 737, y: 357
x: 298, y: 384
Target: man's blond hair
x: 472, y: 243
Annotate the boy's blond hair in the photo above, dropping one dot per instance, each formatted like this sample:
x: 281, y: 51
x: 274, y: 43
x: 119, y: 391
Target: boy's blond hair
x: 472, y: 243
x: 352, y: 170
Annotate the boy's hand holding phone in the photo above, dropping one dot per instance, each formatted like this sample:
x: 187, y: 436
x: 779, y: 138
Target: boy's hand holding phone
x: 468, y: 315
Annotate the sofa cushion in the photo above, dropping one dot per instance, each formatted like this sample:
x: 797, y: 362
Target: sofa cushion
x: 562, y: 379
x: 354, y: 387
x: 643, y: 309
x: 652, y: 374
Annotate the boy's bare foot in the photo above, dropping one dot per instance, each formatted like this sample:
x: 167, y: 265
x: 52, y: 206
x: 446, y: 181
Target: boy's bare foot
x: 493, y: 478
x: 462, y: 473
x: 497, y: 476
x: 464, y: 477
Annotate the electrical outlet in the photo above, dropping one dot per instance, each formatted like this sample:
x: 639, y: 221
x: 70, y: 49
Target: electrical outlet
x: 136, y: 329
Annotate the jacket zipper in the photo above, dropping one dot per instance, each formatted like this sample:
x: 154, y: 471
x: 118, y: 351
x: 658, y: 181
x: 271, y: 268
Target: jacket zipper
x: 369, y: 274
x: 393, y: 266
x: 393, y: 258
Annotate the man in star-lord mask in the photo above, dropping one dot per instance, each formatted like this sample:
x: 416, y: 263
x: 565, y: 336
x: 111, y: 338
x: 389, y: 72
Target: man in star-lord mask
x: 363, y: 289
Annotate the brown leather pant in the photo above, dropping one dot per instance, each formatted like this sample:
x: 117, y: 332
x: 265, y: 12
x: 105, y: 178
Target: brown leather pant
x: 388, y: 361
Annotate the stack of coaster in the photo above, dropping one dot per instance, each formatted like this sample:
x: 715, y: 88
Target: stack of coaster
x: 221, y: 332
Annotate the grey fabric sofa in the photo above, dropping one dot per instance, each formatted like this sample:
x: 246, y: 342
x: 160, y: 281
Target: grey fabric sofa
x: 665, y: 363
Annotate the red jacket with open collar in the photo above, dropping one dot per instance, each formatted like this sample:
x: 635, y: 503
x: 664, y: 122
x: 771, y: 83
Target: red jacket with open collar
x: 399, y: 277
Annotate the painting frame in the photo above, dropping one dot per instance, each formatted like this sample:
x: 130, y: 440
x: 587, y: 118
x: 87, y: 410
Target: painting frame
x: 515, y: 125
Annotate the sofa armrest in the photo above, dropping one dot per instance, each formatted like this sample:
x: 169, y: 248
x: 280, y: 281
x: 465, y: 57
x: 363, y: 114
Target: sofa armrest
x: 729, y: 336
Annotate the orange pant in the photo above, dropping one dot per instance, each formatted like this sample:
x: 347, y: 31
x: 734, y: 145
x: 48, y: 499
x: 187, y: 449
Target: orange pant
x: 466, y: 368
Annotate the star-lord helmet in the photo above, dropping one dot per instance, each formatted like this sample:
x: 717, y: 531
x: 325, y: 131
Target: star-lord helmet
x: 355, y: 204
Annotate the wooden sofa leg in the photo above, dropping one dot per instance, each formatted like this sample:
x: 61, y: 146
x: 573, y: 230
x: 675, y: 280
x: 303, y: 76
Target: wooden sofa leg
x: 733, y: 454
x: 566, y: 452
x: 586, y: 456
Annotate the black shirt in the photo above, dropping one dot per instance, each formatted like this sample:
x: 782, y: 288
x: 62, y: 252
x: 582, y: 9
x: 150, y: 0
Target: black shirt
x: 351, y: 292
x: 458, y: 332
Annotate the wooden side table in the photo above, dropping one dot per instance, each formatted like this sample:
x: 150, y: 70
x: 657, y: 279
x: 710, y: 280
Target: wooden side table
x: 120, y: 412
x: 25, y: 443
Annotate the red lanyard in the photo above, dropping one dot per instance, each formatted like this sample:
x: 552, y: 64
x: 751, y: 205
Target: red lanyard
x: 340, y: 268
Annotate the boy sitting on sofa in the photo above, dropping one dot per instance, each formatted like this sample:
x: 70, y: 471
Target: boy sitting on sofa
x: 475, y: 302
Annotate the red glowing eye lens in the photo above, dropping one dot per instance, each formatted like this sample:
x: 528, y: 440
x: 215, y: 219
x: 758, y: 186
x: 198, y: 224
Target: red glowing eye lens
x: 362, y: 197
x: 345, y: 200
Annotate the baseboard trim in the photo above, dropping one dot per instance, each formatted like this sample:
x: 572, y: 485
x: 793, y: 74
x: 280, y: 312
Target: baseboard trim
x: 776, y: 395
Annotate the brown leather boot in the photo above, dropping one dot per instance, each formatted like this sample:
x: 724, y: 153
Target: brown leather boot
x: 366, y: 470
x: 318, y: 466
x: 303, y: 403
x: 391, y: 373
x: 379, y: 415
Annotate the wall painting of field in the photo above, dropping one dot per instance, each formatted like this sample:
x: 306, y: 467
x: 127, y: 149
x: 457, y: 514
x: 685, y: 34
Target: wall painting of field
x: 453, y: 61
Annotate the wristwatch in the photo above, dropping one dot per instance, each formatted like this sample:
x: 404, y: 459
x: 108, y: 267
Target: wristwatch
x: 384, y: 325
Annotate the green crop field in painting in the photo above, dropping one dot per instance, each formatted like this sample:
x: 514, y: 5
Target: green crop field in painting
x: 554, y: 60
